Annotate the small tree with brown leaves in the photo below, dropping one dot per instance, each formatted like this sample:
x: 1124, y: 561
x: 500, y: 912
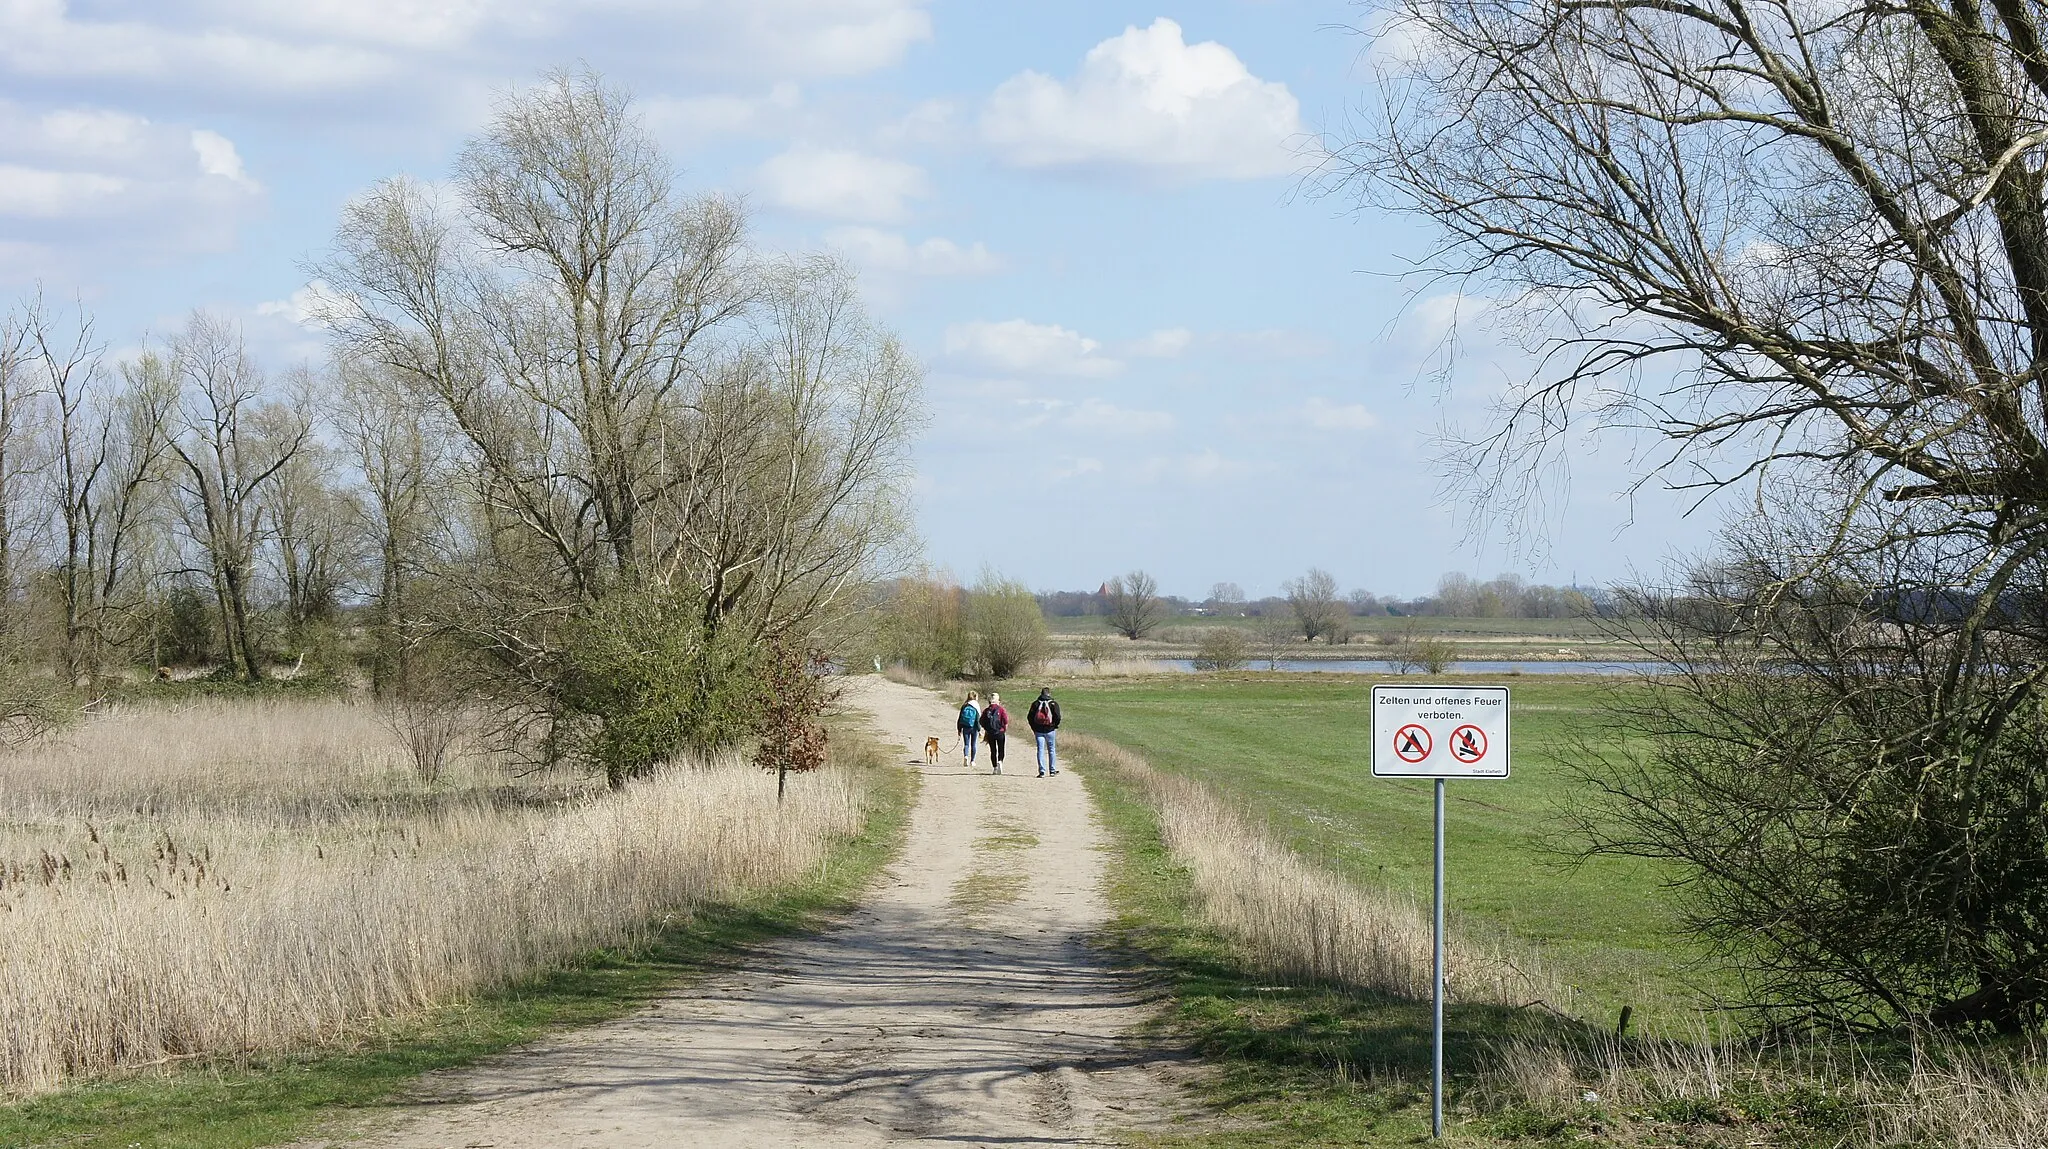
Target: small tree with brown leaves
x: 797, y: 694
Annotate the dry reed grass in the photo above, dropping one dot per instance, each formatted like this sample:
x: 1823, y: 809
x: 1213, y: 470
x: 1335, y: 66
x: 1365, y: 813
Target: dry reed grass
x: 239, y: 877
x: 1293, y: 920
x: 1943, y: 1092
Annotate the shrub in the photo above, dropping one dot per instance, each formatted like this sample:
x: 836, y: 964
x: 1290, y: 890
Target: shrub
x: 1222, y: 648
x: 1096, y: 649
x: 1006, y: 627
x: 647, y: 680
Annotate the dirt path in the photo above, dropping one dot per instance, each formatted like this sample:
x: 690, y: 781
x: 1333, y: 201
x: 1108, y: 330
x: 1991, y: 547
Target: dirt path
x: 961, y: 1005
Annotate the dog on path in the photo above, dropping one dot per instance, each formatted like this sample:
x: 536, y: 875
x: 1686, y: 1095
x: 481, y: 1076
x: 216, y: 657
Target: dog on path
x: 931, y: 751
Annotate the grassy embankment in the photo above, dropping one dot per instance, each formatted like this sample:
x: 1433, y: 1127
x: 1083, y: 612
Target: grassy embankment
x: 1315, y: 1060
x: 291, y: 795
x: 1294, y: 749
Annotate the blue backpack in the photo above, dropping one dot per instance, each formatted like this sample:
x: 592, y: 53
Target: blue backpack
x: 969, y: 719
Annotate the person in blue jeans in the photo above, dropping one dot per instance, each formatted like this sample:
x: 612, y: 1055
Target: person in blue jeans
x: 970, y: 727
x: 1044, y: 719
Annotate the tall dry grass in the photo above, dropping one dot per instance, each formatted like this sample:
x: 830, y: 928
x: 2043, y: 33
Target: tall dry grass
x: 244, y: 877
x: 1293, y: 920
x: 1938, y: 1091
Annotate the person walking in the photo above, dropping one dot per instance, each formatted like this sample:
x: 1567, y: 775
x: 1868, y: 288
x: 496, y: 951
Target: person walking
x: 995, y: 723
x: 970, y: 728
x: 1044, y: 720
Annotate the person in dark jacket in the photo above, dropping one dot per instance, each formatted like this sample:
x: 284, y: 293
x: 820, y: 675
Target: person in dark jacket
x: 1044, y: 719
x: 995, y: 722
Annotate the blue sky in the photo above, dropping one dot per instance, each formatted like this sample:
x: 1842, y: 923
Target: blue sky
x: 1149, y: 342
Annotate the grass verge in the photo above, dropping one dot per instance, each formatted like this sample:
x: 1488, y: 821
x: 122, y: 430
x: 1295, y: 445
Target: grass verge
x: 1293, y: 750
x: 1309, y: 1063
x: 224, y: 1104
x: 1293, y: 1065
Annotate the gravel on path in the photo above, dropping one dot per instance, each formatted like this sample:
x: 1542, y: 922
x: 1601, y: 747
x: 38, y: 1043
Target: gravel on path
x: 962, y: 1004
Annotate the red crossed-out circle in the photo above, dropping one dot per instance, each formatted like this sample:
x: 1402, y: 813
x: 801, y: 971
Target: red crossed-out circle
x: 1412, y: 743
x: 1468, y: 743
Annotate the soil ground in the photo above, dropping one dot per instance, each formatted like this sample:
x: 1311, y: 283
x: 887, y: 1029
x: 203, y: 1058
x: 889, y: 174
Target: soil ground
x: 963, y: 1003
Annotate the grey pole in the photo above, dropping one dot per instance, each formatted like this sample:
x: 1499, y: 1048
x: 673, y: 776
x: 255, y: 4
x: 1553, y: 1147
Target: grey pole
x: 1436, y: 1069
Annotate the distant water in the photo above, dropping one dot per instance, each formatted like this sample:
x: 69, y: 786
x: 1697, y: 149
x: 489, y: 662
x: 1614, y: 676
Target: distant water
x: 1381, y: 666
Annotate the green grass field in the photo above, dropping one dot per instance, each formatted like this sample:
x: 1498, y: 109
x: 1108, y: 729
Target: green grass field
x: 1295, y: 749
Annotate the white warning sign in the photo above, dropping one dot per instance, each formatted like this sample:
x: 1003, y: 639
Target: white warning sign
x: 1440, y: 731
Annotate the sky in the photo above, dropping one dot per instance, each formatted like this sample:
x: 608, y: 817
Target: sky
x: 1154, y: 338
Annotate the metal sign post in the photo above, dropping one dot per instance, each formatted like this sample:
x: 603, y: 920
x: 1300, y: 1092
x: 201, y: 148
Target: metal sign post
x: 1439, y: 732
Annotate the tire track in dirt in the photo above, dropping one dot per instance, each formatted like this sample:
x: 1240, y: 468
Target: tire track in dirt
x: 944, y: 1011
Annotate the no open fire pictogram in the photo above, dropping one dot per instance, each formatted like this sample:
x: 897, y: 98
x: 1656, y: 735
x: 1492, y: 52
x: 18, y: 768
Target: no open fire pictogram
x: 1439, y: 730
x: 1412, y: 743
x: 1468, y: 743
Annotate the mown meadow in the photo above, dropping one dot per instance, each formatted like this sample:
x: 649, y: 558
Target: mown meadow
x: 1293, y: 749
x: 1279, y: 893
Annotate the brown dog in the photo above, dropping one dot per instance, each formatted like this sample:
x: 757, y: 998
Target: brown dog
x: 931, y: 752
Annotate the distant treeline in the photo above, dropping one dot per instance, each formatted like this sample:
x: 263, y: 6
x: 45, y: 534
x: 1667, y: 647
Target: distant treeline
x: 1457, y: 595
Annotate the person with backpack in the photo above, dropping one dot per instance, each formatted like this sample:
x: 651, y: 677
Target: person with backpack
x: 1044, y: 720
x: 970, y: 728
x: 995, y: 723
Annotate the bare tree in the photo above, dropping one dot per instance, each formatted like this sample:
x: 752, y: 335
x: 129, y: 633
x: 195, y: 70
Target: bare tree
x: 387, y: 435
x: 1226, y: 598
x: 22, y: 334
x: 635, y: 400
x: 1132, y: 605
x: 1782, y: 237
x: 1275, y: 633
x: 111, y: 443
x: 1318, y: 612
x: 231, y: 444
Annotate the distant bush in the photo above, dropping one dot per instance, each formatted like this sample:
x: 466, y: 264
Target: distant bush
x: 1429, y: 655
x: 1006, y: 630
x: 1097, y: 649
x: 1222, y: 648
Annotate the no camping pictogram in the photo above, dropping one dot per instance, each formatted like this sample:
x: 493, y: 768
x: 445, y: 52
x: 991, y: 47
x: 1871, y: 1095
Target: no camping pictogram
x: 1412, y: 743
x: 1468, y: 743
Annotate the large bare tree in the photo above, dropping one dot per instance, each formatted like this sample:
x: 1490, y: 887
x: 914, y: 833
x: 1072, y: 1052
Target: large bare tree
x: 635, y: 400
x: 230, y: 445
x: 1781, y: 236
x: 1131, y: 604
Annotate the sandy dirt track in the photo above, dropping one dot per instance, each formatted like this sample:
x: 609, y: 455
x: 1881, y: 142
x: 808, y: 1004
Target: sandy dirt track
x: 961, y: 1005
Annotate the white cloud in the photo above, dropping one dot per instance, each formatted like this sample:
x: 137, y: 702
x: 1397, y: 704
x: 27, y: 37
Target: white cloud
x: 303, y: 306
x: 1166, y: 343
x: 1074, y: 468
x: 78, y: 180
x: 41, y: 194
x: 1203, y: 466
x: 1324, y: 415
x: 92, y: 132
x: 720, y: 114
x: 217, y: 157
x: 1148, y: 101
x: 892, y: 252
x: 842, y: 184
x: 1100, y: 417
x: 1027, y: 348
x: 930, y: 122
x: 326, y: 45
